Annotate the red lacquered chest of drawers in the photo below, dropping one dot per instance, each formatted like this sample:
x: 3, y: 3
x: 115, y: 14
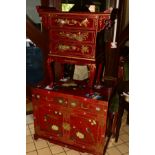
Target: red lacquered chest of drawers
x: 74, y: 35
x: 74, y: 117
x: 76, y: 38
x: 70, y: 118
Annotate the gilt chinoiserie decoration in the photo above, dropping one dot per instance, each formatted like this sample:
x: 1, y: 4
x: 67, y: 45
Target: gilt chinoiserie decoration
x: 76, y: 38
x: 67, y: 112
x: 70, y: 118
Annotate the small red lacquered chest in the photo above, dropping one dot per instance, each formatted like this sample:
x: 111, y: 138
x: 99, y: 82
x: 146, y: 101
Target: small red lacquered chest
x: 76, y: 38
x: 74, y: 35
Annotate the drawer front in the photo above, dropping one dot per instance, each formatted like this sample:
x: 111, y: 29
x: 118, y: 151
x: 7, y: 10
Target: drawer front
x: 57, y: 100
x: 88, y: 105
x: 74, y: 22
x: 85, y: 21
x: 73, y: 36
x: 73, y: 50
x: 49, y: 98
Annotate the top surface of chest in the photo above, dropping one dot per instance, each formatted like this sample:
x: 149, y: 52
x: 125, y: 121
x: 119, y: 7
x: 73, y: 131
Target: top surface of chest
x: 81, y: 91
x: 74, y: 20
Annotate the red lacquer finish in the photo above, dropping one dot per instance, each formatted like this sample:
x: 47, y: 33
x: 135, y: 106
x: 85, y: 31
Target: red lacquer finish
x: 74, y: 121
x: 73, y: 116
x: 66, y: 49
x: 73, y: 37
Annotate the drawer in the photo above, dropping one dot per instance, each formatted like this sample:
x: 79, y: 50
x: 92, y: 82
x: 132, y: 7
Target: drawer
x: 57, y: 100
x: 50, y: 98
x: 69, y: 20
x: 73, y: 50
x: 76, y: 103
x: 88, y: 105
x: 74, y: 21
x: 77, y: 36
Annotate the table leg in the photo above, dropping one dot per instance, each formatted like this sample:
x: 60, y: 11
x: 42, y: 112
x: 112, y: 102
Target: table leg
x: 92, y: 72
x: 50, y: 68
x: 99, y: 72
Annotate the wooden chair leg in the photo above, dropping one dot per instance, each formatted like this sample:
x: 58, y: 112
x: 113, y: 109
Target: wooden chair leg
x: 118, y: 126
x: 106, y: 145
x: 114, y: 124
x: 109, y: 124
x: 127, y: 108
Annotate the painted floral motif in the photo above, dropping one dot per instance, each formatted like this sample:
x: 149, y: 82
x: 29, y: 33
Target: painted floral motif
x: 72, y: 22
x: 80, y: 135
x: 104, y: 23
x: 63, y: 47
x: 73, y: 104
x: 93, y: 122
x: 75, y: 36
x: 66, y: 126
x: 61, y: 101
x: 55, y: 127
x: 83, y: 49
